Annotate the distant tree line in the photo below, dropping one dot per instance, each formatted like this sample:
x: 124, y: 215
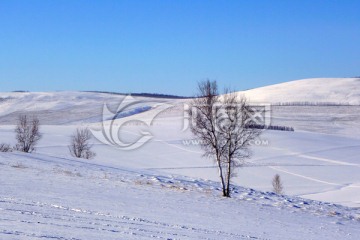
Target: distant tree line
x: 271, y: 127
x: 152, y: 95
x: 312, y: 104
x: 5, y: 99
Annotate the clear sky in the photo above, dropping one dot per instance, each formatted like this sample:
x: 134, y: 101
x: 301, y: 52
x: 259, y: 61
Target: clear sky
x: 168, y: 46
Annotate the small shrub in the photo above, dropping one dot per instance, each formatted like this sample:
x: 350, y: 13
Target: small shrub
x: 27, y: 133
x: 277, y: 184
x: 80, y: 146
x: 4, y: 147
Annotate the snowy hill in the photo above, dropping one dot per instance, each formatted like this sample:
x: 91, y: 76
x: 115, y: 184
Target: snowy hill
x: 72, y: 107
x: 63, y: 107
x: 165, y: 189
x: 315, y: 90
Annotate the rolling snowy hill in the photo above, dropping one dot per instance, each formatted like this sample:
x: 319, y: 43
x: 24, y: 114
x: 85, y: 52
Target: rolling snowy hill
x: 63, y: 107
x: 315, y: 90
x: 165, y: 188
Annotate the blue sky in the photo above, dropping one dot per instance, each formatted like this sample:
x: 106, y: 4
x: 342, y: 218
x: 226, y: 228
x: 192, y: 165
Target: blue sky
x: 168, y: 46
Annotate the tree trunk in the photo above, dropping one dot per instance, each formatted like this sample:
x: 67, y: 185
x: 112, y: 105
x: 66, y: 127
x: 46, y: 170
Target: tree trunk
x: 228, y: 180
x: 222, y: 178
x: 228, y: 168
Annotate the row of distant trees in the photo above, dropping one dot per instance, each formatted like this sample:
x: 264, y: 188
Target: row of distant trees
x: 152, y: 95
x: 272, y: 127
x: 28, y: 134
x: 306, y: 103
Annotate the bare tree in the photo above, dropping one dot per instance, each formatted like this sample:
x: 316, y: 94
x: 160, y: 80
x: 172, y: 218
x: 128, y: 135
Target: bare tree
x: 222, y: 125
x: 277, y: 184
x: 80, y: 146
x: 27, y: 133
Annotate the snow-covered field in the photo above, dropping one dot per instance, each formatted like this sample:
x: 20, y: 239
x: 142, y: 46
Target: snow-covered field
x: 165, y: 189
x: 45, y: 197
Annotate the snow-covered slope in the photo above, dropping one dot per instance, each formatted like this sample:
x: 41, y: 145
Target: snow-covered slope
x: 165, y: 189
x: 63, y: 107
x: 47, y: 197
x: 315, y: 90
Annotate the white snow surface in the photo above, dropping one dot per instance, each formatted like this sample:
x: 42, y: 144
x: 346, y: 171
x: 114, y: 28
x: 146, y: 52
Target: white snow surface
x: 44, y: 197
x: 166, y: 189
x: 314, y: 90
